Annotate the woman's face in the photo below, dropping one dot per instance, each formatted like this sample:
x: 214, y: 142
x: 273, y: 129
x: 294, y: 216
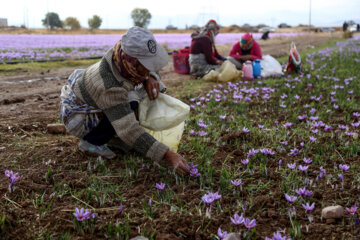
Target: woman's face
x: 247, y: 45
x: 141, y: 69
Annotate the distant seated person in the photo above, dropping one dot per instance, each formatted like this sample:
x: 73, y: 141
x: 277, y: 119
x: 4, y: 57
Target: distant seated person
x: 245, y: 49
x: 203, y: 54
x: 265, y: 35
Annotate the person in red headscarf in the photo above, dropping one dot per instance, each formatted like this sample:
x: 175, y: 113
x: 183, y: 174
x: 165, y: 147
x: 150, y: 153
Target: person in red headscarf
x: 203, y: 54
x: 245, y: 49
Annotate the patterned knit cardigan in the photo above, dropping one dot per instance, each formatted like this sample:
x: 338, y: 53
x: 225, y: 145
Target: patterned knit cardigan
x: 103, y: 87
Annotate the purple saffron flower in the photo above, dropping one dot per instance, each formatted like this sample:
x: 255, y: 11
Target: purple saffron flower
x: 328, y: 128
x: 341, y: 177
x: 202, y: 133
x: 192, y: 166
x: 192, y: 132
x: 222, y: 117
x: 307, y: 160
x: 252, y: 152
x: 302, y: 144
x: 216, y: 196
x: 249, y: 223
x: 294, y: 151
x: 314, y: 131
x: 312, y: 111
x: 300, y: 191
x: 283, y: 96
x: 303, y: 168
x: 356, y: 124
x: 236, y: 182
x: 209, y: 198
x: 290, y: 198
x: 344, y: 167
x: 245, y: 161
x: 11, y: 175
x: 312, y: 139
x: 150, y: 201
x: 13, y: 178
x: 237, y: 220
x: 312, y: 118
x: 292, y: 165
x: 308, y: 207
x: 121, y: 208
x: 287, y: 125
x: 352, y: 210
x: 266, y: 151
x: 160, y: 186
x: 356, y: 114
x: 247, y: 99
x: 322, y: 172
x: 349, y: 134
x: 308, y: 193
x: 194, y: 172
x: 82, y: 214
x: 260, y: 126
x: 245, y: 130
x: 302, y: 117
x: 221, y: 234
x: 202, y: 124
x: 277, y: 236
x: 285, y: 143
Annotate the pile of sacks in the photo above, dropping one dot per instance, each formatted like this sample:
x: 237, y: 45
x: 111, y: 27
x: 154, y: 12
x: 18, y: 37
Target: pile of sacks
x: 226, y: 73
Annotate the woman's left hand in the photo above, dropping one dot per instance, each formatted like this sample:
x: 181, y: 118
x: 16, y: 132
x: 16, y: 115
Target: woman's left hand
x: 152, y: 88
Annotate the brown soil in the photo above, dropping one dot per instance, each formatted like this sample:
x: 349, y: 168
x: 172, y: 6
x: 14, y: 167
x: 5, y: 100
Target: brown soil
x: 26, y: 107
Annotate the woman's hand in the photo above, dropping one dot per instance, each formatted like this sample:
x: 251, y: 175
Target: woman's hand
x: 219, y: 62
x: 245, y: 57
x: 177, y: 162
x: 152, y: 88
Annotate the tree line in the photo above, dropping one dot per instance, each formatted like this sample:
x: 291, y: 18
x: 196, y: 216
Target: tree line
x: 141, y: 17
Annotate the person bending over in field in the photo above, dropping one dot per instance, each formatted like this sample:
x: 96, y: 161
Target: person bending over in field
x: 98, y: 103
x: 245, y: 49
x: 203, y: 54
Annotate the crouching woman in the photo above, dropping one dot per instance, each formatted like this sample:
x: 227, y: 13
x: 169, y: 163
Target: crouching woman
x: 98, y: 103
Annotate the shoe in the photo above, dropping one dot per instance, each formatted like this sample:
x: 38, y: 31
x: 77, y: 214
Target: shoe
x: 92, y: 149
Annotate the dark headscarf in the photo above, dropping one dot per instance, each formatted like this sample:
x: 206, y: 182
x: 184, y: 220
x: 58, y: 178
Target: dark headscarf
x: 129, y: 67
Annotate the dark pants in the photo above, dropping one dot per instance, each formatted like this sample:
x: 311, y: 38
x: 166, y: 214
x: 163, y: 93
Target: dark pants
x: 104, y: 132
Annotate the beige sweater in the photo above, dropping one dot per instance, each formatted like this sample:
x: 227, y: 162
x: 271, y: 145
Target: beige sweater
x: 103, y: 87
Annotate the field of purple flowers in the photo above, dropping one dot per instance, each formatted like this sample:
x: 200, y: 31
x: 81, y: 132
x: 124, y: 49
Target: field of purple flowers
x: 266, y: 157
x: 45, y: 47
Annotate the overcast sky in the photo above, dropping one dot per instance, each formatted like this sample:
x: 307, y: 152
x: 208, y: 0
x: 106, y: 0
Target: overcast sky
x: 116, y: 13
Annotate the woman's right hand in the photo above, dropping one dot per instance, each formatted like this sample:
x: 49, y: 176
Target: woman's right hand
x: 177, y: 162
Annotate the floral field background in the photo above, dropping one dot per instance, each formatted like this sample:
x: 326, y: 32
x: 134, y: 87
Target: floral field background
x: 266, y: 157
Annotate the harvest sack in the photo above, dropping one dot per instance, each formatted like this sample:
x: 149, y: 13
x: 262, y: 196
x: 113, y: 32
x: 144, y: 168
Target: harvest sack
x: 270, y: 66
x: 163, y: 113
x: 226, y: 73
x: 164, y: 119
